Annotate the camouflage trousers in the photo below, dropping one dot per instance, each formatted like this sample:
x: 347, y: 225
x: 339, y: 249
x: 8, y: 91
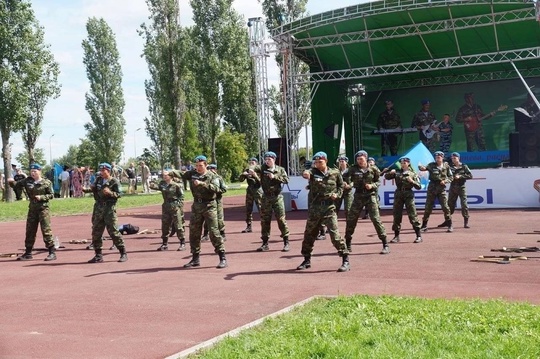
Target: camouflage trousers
x: 205, y: 211
x: 104, y: 217
x: 253, y: 196
x: 319, y: 214
x: 372, y: 205
x: 445, y: 143
x: 454, y: 193
x: 269, y: 206
x: 347, y: 200
x: 475, y: 140
x: 38, y: 215
x: 172, y: 215
x: 220, y: 219
x: 401, y: 198
x: 436, y: 191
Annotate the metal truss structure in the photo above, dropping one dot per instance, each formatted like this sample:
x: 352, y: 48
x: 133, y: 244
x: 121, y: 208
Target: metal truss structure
x: 295, y: 39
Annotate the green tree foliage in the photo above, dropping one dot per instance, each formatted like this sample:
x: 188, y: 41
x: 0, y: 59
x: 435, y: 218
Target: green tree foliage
x: 149, y: 159
x: 105, y: 100
x: 21, y: 46
x: 43, y: 86
x: 39, y: 157
x: 165, y: 51
x: 231, y: 151
x: 222, y: 64
x: 191, y: 143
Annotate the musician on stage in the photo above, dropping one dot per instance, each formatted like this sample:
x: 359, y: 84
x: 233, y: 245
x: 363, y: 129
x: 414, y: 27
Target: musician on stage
x: 471, y: 116
x: 424, y: 121
x: 445, y: 129
x: 389, y: 119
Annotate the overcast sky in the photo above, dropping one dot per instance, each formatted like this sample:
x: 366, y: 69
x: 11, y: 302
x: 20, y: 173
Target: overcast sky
x: 64, y: 23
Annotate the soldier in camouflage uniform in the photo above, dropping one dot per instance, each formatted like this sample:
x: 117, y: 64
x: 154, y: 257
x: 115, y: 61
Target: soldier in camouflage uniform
x: 461, y: 173
x: 40, y: 192
x: 366, y: 181
x: 204, y: 186
x: 271, y: 177
x: 253, y: 194
x: 347, y: 197
x: 389, y: 119
x: 469, y: 114
x: 424, y: 121
x: 439, y: 175
x: 326, y: 186
x: 172, y: 210
x: 106, y: 191
x: 406, y: 179
x: 219, y: 202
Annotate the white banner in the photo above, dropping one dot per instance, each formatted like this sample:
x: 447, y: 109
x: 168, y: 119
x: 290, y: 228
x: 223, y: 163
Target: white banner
x: 490, y: 188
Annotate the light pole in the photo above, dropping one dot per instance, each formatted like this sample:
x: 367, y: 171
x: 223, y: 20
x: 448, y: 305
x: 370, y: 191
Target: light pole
x: 50, y: 150
x: 135, y: 143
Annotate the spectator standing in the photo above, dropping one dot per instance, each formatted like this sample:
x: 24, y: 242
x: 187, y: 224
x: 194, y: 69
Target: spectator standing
x: 77, y: 182
x: 19, y: 191
x: 145, y: 177
x: 64, y: 182
x: 131, y: 174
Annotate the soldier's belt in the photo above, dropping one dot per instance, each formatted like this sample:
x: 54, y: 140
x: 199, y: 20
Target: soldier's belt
x: 105, y: 203
x: 202, y: 200
x: 325, y: 202
x: 271, y: 195
x: 404, y: 189
x: 172, y: 200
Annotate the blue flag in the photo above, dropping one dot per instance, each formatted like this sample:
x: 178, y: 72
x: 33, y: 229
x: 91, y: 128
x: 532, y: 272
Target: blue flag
x: 420, y: 155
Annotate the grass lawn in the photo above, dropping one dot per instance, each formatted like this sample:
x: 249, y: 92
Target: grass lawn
x: 391, y: 327
x: 62, y: 207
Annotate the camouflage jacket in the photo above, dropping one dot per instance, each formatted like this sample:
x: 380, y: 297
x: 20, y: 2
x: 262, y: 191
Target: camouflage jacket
x: 172, y: 192
x: 251, y: 181
x: 205, y: 191
x: 402, y: 179
x: 389, y: 120
x: 436, y: 174
x: 464, y: 174
x: 271, y: 187
x: 100, y: 184
x: 323, y: 185
x: 361, y: 177
x: 43, y: 189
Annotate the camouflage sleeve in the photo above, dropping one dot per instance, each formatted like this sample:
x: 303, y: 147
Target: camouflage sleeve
x: 153, y: 185
x: 282, y: 176
x: 449, y: 174
x: 179, y: 174
x: 49, y: 192
x: 389, y: 175
x: 257, y: 175
x: 416, y: 180
x: 467, y: 174
x: 339, y: 184
x: 376, y: 177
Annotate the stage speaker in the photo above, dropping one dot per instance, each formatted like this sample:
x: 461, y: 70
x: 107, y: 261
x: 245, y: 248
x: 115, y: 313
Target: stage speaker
x: 279, y: 146
x: 513, y: 141
x: 529, y: 144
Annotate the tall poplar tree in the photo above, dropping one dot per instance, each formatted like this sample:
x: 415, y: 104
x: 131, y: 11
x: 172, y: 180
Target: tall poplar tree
x: 165, y: 52
x: 21, y: 46
x: 105, y: 100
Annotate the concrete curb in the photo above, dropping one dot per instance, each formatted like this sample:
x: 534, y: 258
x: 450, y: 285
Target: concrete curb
x: 237, y: 331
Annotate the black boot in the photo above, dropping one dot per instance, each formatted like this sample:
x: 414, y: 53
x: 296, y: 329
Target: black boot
x: 418, y: 236
x: 123, y: 254
x: 396, y: 237
x: 248, y: 229
x: 305, y: 264
x: 52, y: 254
x: 222, y: 234
x: 205, y: 237
x: 345, y: 266
x: 182, y: 245
x: 264, y: 247
x: 165, y: 245
x: 348, y: 243
x: 444, y: 224
x: 194, y: 262
x: 385, y: 248
x: 466, y: 223
x: 321, y: 236
x: 222, y: 260
x: 27, y: 255
x: 98, y: 258
x: 450, y: 228
x: 424, y: 226
x: 286, y: 247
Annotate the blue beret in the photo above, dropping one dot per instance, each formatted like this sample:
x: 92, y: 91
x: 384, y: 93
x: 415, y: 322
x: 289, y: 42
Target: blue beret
x: 254, y: 159
x: 343, y: 158
x: 405, y: 159
x: 200, y: 158
x: 270, y: 154
x: 439, y: 153
x: 35, y: 166
x: 371, y: 159
x: 105, y: 165
x: 212, y: 166
x: 455, y: 154
x: 425, y: 101
x: 320, y: 156
x: 361, y: 153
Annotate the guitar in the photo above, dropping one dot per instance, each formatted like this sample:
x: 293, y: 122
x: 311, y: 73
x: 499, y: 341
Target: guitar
x: 472, y: 123
x: 428, y: 131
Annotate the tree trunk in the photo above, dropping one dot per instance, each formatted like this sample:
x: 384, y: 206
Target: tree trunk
x: 6, y: 156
